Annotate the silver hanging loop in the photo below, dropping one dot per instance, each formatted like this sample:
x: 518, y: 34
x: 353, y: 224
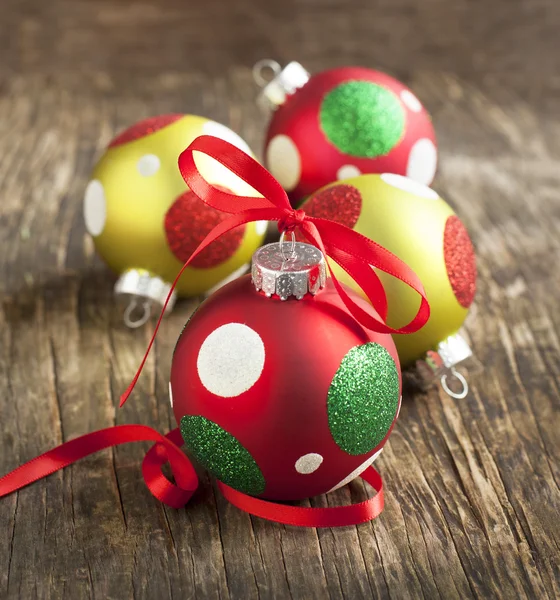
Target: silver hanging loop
x: 291, y: 255
x: 261, y: 67
x: 132, y: 323
x: 457, y: 376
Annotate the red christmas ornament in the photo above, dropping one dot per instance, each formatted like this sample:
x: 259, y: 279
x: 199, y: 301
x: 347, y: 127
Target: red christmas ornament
x: 342, y: 123
x: 284, y: 399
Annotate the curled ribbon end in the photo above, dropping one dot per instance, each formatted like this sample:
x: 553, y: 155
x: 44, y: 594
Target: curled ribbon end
x: 125, y: 396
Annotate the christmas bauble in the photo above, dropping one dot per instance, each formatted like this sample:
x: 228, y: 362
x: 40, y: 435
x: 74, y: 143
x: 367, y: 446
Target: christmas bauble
x: 415, y: 224
x: 144, y: 220
x: 341, y: 123
x: 278, y: 397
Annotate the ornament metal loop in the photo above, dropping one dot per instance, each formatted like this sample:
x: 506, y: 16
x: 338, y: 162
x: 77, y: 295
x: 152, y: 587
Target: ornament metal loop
x: 292, y: 252
x: 457, y: 395
x: 261, y: 67
x: 132, y: 306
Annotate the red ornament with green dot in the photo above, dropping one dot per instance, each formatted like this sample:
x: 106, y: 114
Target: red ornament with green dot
x: 283, y: 398
x: 342, y: 123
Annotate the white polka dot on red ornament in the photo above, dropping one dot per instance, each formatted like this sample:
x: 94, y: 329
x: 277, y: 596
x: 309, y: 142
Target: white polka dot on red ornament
x: 357, y: 472
x: 406, y: 184
x: 231, y: 360
x: 411, y: 101
x: 308, y: 463
x: 95, y: 207
x: 347, y: 172
x: 422, y: 161
x: 283, y: 161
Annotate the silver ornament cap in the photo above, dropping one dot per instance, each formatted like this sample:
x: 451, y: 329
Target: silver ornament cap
x: 440, y: 363
x: 285, y: 82
x: 143, y: 290
x: 286, y: 269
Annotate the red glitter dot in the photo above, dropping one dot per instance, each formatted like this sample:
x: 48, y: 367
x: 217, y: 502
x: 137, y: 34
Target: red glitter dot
x: 341, y: 203
x: 188, y: 221
x: 144, y: 128
x: 460, y: 261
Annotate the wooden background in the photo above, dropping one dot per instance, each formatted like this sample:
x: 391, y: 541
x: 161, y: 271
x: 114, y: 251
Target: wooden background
x: 472, y: 503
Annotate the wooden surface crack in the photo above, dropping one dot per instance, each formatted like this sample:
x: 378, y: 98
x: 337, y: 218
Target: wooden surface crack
x: 12, y: 537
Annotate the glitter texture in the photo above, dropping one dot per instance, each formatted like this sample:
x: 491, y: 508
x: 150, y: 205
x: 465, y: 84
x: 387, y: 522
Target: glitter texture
x: 144, y: 128
x: 231, y: 360
x: 222, y: 455
x: 308, y: 463
x: 362, y: 119
x: 187, y: 223
x: 341, y: 203
x: 363, y: 398
x: 460, y: 261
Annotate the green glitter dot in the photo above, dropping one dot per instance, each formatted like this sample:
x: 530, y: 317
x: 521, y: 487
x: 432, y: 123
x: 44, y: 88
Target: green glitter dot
x: 363, y: 398
x: 222, y: 454
x: 362, y: 119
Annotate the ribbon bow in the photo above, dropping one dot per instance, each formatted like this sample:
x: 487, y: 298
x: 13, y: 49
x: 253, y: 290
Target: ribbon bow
x: 352, y: 251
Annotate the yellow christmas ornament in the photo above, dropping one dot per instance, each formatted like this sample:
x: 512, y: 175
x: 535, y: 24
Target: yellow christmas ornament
x: 415, y: 224
x: 146, y: 223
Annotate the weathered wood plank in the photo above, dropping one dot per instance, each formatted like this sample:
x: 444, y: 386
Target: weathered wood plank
x: 472, y: 499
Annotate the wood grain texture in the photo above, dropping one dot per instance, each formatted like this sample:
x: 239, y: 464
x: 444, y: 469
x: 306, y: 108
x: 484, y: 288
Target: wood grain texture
x: 472, y: 502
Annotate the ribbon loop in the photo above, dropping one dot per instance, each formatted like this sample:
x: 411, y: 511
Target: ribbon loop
x: 166, y: 448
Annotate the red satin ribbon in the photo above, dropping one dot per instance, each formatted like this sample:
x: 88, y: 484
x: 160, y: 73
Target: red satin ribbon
x: 167, y: 449
x: 355, y: 253
x: 299, y: 516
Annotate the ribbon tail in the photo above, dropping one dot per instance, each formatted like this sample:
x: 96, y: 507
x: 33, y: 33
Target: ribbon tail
x: 299, y: 516
x: 166, y: 449
x: 356, y: 254
x: 255, y: 214
x: 364, y: 249
x: 367, y: 279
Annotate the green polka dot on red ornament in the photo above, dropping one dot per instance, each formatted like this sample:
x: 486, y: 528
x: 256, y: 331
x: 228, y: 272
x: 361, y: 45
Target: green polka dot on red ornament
x: 222, y: 454
x: 363, y: 398
x: 362, y: 119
